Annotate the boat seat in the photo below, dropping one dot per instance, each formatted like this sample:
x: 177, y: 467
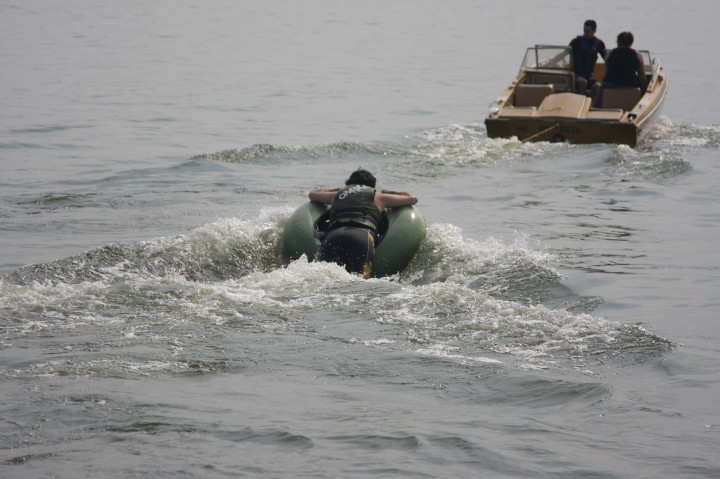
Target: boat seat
x: 561, y: 81
x: 531, y: 95
x: 565, y: 105
x: 625, y: 98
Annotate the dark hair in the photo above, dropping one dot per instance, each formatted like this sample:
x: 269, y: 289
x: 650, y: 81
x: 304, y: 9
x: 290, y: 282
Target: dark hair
x: 361, y: 177
x: 591, y: 24
x: 625, y: 39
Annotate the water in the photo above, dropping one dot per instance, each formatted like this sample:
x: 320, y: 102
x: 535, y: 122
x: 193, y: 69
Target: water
x: 558, y: 321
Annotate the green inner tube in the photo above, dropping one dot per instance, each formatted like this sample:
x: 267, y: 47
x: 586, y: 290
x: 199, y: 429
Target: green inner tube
x: 406, y: 231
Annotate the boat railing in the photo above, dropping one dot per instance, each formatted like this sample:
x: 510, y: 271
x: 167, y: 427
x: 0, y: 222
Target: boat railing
x: 652, y: 69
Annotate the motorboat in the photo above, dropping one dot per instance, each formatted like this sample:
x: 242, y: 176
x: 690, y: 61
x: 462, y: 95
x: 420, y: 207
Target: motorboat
x: 541, y: 103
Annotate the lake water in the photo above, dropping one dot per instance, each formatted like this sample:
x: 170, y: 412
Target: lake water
x: 559, y: 321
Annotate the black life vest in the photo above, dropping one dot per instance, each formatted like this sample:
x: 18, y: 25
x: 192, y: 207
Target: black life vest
x: 585, y: 53
x: 354, y: 206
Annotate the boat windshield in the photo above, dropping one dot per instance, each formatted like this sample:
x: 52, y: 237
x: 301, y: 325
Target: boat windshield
x: 547, y: 57
x: 648, y: 62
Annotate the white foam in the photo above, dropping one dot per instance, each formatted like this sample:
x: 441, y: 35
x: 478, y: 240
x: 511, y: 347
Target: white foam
x: 450, y: 297
x: 450, y: 353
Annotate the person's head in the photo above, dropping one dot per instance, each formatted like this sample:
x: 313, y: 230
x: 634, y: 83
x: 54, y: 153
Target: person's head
x: 361, y: 177
x: 625, y: 39
x: 589, y: 28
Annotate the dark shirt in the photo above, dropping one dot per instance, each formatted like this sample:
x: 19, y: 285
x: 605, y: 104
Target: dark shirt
x: 585, y: 53
x: 622, y: 67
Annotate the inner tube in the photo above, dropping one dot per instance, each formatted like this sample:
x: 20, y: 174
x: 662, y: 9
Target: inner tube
x: 406, y: 230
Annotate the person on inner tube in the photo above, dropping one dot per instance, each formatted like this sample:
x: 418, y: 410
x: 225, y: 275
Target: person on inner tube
x: 354, y: 220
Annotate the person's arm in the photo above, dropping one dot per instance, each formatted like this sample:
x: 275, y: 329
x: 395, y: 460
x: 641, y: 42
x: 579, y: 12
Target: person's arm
x: 391, y: 192
x: 394, y: 199
x: 323, y: 195
x: 602, y: 50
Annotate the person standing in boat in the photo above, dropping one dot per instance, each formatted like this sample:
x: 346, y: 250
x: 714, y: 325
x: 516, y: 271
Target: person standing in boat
x: 625, y: 67
x: 585, y: 50
x: 354, y: 220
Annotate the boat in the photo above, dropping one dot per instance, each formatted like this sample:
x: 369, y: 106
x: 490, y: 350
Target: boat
x: 541, y: 103
x: 405, y: 231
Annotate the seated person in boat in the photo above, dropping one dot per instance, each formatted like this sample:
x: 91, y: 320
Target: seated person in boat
x: 625, y: 67
x: 354, y: 219
x: 585, y: 51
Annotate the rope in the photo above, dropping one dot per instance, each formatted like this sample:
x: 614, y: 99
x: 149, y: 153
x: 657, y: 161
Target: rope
x: 540, y: 133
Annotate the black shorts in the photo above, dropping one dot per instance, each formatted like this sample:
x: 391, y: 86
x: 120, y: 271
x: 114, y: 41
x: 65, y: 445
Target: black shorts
x: 353, y: 248
x: 590, y: 81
